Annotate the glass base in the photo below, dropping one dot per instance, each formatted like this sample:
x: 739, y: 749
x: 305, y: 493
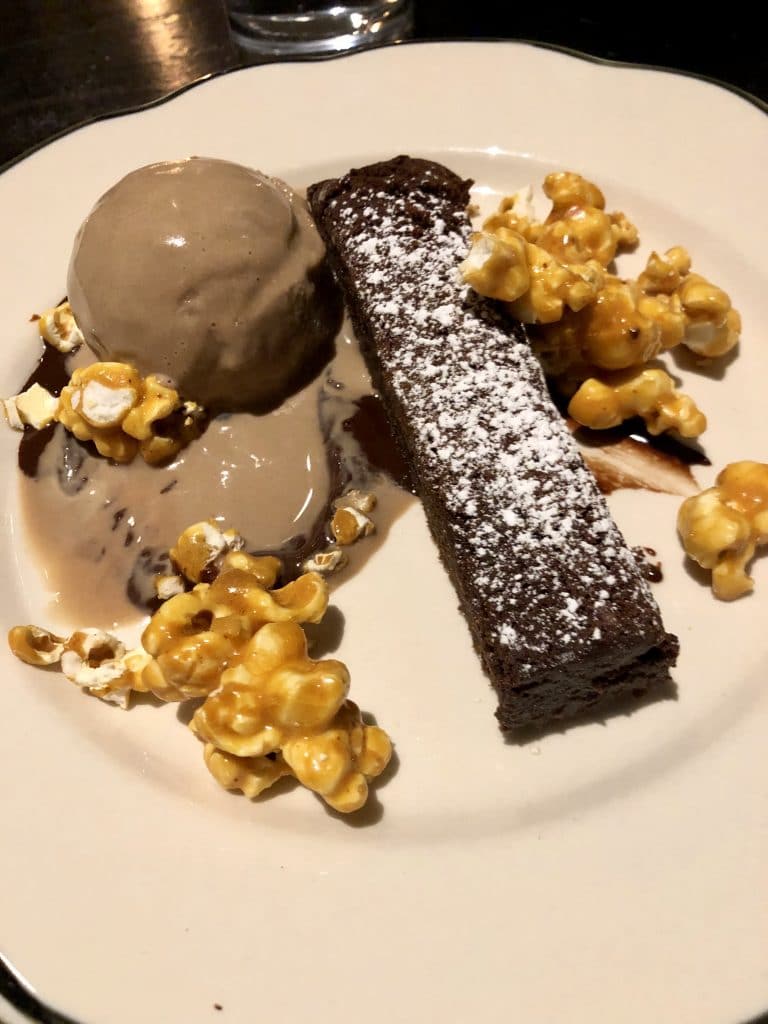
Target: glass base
x: 336, y: 29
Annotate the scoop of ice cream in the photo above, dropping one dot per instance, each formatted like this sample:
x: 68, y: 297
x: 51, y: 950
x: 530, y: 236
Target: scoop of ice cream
x: 209, y: 273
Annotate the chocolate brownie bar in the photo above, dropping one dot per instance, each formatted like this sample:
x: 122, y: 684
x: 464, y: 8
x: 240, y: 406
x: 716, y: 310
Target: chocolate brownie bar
x: 558, y: 610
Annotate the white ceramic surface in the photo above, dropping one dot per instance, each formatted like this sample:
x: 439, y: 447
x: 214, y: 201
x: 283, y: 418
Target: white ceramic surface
x: 611, y: 872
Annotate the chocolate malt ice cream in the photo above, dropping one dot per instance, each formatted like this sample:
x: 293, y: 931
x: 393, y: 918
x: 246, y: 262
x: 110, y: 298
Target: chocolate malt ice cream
x: 209, y: 273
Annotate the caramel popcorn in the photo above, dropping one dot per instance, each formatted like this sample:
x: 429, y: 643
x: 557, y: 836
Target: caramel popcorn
x: 58, y: 328
x: 122, y: 413
x: 577, y: 229
x: 99, y: 663
x: 200, y: 546
x: 554, y: 275
x: 92, y: 659
x: 536, y: 286
x: 713, y: 326
x: 620, y: 329
x: 249, y: 775
x: 36, y: 646
x: 339, y: 762
x: 279, y: 701
x: 274, y: 689
x: 325, y: 562
x: 269, y: 709
x: 193, y: 637
x: 651, y: 394
x: 630, y: 322
x: 351, y: 521
x: 722, y: 527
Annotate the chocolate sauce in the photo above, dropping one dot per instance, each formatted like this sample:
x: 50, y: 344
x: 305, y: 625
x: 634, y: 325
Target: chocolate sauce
x: 650, y: 569
x: 31, y: 447
x: 51, y: 372
x: 689, y: 453
x: 370, y: 427
x: 622, y: 458
x: 685, y: 452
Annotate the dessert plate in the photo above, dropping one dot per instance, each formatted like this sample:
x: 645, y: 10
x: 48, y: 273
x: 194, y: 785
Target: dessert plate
x: 612, y: 871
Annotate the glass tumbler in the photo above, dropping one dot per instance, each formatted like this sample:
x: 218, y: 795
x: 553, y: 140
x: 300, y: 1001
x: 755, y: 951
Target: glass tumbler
x: 292, y: 28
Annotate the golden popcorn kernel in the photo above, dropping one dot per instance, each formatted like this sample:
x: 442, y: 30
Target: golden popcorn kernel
x: 375, y: 753
x: 97, y: 662
x: 167, y: 586
x: 111, y: 443
x: 338, y: 762
x: 722, y: 527
x: 321, y: 762
x: 305, y: 599
x: 201, y: 547
x: 250, y: 775
x: 190, y: 667
x: 577, y: 229
x: 555, y: 286
x: 616, y: 335
x: 325, y: 562
x: 713, y: 326
x: 93, y: 646
x: 348, y: 525
x: 664, y: 274
x: 650, y: 394
x: 182, y: 615
x: 361, y: 501
x: 36, y: 646
x: 123, y: 415
x: 156, y: 402
x: 265, y: 569
x: 497, y: 265
x: 58, y: 328
x: 567, y: 189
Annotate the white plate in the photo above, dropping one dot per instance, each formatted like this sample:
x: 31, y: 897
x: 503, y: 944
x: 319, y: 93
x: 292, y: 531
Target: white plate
x: 612, y: 872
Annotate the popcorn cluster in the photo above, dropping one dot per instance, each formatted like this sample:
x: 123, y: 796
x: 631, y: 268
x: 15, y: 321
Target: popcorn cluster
x: 589, y: 322
x: 651, y: 394
x: 125, y: 414
x: 268, y: 710
x: 722, y: 527
x: 351, y: 522
x: 109, y: 404
x: 58, y: 328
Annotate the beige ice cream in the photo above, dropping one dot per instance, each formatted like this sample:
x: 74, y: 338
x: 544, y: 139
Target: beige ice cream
x: 209, y: 273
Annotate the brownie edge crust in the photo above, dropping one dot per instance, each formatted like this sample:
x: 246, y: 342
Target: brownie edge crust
x: 558, y: 610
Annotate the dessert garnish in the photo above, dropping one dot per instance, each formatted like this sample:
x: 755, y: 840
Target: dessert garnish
x: 125, y: 414
x: 594, y: 331
x: 269, y: 710
x: 649, y: 393
x: 554, y: 598
x: 722, y: 527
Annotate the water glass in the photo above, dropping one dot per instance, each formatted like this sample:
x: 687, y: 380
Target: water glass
x: 274, y: 29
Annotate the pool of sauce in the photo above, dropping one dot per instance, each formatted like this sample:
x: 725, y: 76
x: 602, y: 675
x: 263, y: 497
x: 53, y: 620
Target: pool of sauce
x: 103, y: 530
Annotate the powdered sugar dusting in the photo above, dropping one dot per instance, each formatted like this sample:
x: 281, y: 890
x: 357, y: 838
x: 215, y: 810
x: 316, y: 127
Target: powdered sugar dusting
x: 548, y: 567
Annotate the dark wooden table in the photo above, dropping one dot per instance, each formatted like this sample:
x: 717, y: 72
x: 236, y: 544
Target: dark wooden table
x: 63, y: 62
